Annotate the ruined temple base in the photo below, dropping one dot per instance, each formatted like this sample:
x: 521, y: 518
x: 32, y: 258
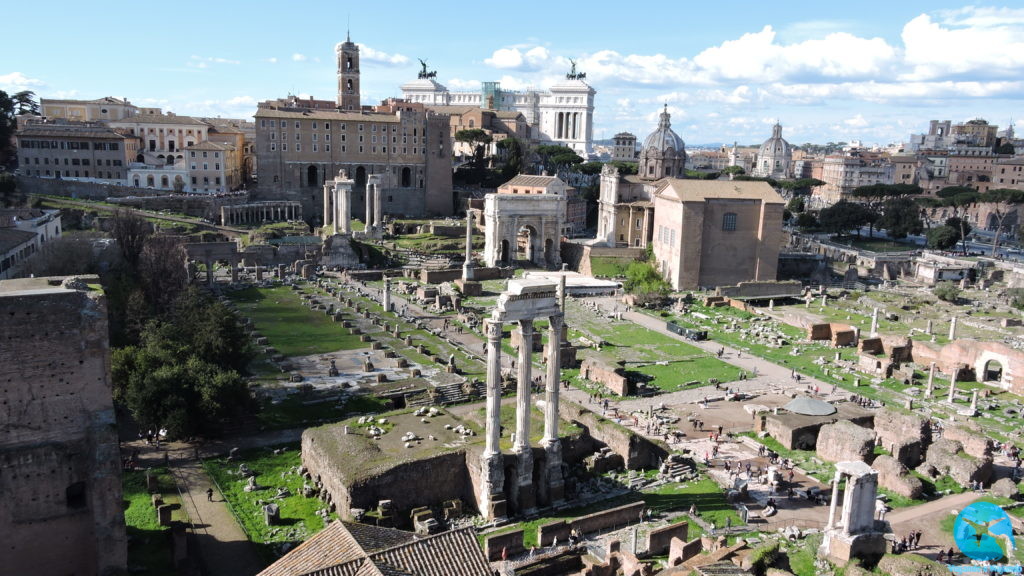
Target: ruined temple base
x: 840, y: 548
x: 469, y: 287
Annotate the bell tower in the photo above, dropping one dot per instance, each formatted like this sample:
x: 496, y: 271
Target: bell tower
x: 348, y: 75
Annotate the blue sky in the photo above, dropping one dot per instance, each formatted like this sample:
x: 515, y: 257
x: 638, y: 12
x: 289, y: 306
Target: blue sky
x: 870, y: 71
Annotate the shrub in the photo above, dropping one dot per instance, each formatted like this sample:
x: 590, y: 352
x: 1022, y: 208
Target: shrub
x: 947, y: 292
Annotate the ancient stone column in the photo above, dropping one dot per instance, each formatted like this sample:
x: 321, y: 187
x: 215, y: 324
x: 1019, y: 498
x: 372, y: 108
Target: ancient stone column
x: 492, y: 472
x: 952, y: 386
x: 343, y: 202
x: 835, y: 500
x: 931, y: 380
x: 259, y: 272
x: 928, y: 328
x: 552, y: 445
x: 468, y: 269
x: 952, y: 328
x: 234, y: 272
x: 330, y: 206
x: 824, y: 300
x: 974, y: 401
x: 209, y: 272
x: 369, y: 204
x: 378, y: 205
x: 524, y: 496
x: 874, y: 323
x: 386, y: 300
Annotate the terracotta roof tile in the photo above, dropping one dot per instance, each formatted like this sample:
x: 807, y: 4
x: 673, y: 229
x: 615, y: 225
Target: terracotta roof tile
x: 334, y: 545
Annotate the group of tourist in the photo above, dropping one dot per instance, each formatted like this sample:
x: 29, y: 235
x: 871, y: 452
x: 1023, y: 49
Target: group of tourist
x: 909, y: 542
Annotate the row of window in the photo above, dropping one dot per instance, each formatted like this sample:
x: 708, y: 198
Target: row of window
x: 666, y: 235
x: 70, y: 161
x: 68, y: 145
x: 75, y: 174
x: 206, y: 166
x: 215, y: 154
x: 264, y: 123
x: 272, y: 147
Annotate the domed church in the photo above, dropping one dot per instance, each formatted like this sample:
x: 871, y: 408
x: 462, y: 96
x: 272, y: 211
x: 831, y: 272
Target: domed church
x: 774, y: 157
x: 664, y: 152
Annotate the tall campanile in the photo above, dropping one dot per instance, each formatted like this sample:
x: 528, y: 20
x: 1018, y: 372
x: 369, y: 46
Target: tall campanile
x: 348, y: 74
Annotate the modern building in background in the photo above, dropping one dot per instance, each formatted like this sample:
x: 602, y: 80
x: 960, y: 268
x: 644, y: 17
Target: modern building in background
x: 88, y: 151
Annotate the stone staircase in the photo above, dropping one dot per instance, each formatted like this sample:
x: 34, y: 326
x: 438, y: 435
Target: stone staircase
x: 447, y: 394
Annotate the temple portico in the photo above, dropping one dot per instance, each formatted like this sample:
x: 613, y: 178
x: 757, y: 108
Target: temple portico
x: 338, y: 203
x: 260, y: 212
x: 522, y: 303
x: 855, y: 533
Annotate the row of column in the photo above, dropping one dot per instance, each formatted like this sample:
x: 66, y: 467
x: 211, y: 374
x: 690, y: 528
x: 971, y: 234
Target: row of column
x: 568, y: 125
x: 234, y: 271
x: 338, y: 203
x: 523, y: 491
x: 257, y: 213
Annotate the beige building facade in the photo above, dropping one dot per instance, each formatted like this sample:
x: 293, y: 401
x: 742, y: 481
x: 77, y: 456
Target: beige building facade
x: 212, y: 168
x: 89, y: 152
x: 99, y: 110
x: 712, y: 233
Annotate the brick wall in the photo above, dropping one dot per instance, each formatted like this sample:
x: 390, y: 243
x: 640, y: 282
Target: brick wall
x: 619, y: 516
x: 659, y: 540
x: 511, y: 542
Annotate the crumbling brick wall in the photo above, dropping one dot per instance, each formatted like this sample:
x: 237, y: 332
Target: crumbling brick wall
x: 610, y: 376
x: 895, y: 477
x: 971, y: 436
x: 947, y: 457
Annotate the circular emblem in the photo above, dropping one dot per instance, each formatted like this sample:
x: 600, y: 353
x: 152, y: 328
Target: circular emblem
x: 982, y: 531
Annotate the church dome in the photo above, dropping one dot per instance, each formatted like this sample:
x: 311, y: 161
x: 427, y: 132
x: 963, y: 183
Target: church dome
x: 664, y: 138
x: 776, y: 146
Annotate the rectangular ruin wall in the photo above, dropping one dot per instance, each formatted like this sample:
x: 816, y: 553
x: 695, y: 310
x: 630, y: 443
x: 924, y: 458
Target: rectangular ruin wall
x: 425, y: 482
x: 511, y: 543
x: 60, y: 471
x: 597, y: 371
x: 637, y: 451
x: 612, y: 518
x: 659, y: 540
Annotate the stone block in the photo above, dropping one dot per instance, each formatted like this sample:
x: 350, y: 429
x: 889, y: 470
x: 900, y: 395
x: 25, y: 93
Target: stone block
x: 905, y: 436
x: 948, y: 457
x: 659, y: 540
x: 163, y: 514
x: 401, y: 363
x: 376, y: 346
x: 364, y: 338
x: 894, y: 476
x: 845, y: 441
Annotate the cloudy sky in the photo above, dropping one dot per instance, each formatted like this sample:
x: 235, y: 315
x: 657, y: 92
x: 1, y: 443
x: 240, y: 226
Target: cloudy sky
x: 829, y: 71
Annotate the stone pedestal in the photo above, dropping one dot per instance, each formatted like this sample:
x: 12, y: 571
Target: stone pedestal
x: 524, y: 492
x: 492, y: 484
x: 469, y: 287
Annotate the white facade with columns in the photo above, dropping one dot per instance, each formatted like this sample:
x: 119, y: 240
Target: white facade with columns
x: 563, y: 114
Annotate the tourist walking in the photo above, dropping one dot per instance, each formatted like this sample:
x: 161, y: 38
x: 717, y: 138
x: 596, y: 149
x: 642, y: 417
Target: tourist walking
x: 209, y: 494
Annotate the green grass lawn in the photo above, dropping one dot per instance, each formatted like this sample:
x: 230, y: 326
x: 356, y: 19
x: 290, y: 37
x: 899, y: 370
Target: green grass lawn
x: 290, y: 327
x: 298, y: 410
x: 609, y: 267
x: 150, y: 544
x: 298, y: 514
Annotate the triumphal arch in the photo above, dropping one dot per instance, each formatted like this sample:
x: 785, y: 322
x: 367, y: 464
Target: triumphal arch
x: 539, y: 218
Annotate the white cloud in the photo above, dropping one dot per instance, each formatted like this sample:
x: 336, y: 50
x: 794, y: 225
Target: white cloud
x: 298, y: 57
x: 977, y: 44
x: 857, y: 121
x: 16, y: 82
x: 758, y: 57
x: 367, y: 54
x: 235, y: 107
x: 195, y: 60
x: 272, y: 60
x: 520, y: 58
x: 460, y: 84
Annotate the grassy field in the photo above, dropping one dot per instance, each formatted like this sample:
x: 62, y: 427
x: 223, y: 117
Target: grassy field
x: 296, y: 411
x: 608, y: 267
x: 150, y: 546
x: 298, y: 514
x: 291, y: 327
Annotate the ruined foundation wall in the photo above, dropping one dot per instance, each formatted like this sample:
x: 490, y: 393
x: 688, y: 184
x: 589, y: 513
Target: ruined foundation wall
x: 636, y: 451
x: 60, y: 471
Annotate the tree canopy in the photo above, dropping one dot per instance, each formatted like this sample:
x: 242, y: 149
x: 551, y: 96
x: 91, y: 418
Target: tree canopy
x: 642, y: 279
x: 844, y: 216
x: 900, y: 218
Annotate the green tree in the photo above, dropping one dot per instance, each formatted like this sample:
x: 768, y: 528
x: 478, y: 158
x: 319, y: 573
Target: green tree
x: 626, y: 168
x: 806, y: 221
x: 1003, y: 202
x: 1005, y: 148
x: 25, y: 103
x: 10, y: 196
x: 642, y: 279
x: 734, y: 170
x: 477, y: 139
x: 943, y: 237
x: 8, y: 124
x: 554, y: 156
x: 130, y: 231
x: 844, y: 216
x: 876, y: 196
x: 590, y: 167
x: 512, y: 151
x: 900, y: 218
x: 795, y: 204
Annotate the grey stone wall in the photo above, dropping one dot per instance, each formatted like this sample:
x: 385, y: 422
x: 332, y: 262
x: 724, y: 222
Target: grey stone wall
x: 845, y: 441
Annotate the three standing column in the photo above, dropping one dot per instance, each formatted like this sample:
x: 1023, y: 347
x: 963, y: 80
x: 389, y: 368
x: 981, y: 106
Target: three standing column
x: 552, y: 445
x: 492, y: 472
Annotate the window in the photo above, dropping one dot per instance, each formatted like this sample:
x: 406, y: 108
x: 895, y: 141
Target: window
x: 327, y: 125
x: 193, y: 181
x: 74, y: 495
x: 205, y: 154
x: 314, y: 125
x: 298, y: 147
x: 327, y: 147
x: 729, y: 221
x: 284, y: 147
x: 216, y: 166
x: 297, y: 125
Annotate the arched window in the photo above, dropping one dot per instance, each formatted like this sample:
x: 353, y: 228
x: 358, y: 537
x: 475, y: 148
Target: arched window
x: 471, y: 123
x: 729, y: 221
x: 406, y: 177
